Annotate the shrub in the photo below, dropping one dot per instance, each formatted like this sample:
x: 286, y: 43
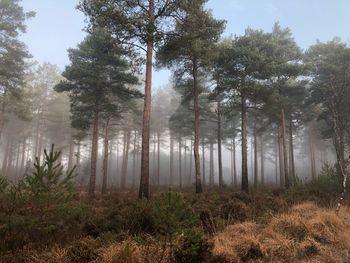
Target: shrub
x: 84, y: 250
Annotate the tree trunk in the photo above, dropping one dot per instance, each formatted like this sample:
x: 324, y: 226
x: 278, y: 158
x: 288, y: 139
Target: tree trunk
x: 185, y: 161
x: 144, y: 180
x: 312, y: 152
x: 291, y: 147
x: 78, y: 156
x: 134, y: 160
x: 125, y: 161
x: 5, y: 160
x: 262, y: 161
x: 276, y: 157
x: 94, y: 150
x: 234, y: 161
x: 280, y: 157
x: 105, y: 158
x: 23, y: 156
x: 9, y: 160
x: 17, y: 160
x: 244, y: 145
x: 255, y: 158
x: 285, y: 150
x: 158, y: 159
x: 180, y: 163
x: 199, y: 188
x: 211, y: 165
x: 71, y: 153
x: 191, y: 158
x: 221, y: 182
x: 203, y: 161
x: 171, y: 175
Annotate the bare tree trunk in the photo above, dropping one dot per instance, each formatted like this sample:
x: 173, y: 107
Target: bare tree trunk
x: 171, y: 159
x: 291, y: 148
x: 158, y: 158
x: 262, y: 161
x: 312, y: 152
x: 234, y: 162
x: 281, y: 160
x: 203, y: 161
x: 255, y: 158
x: 10, y: 159
x: 276, y: 157
x: 5, y: 160
x: 78, y: 157
x: 185, y: 161
x: 221, y: 181
x: 211, y: 170
x: 23, y: 156
x: 17, y: 160
x: 71, y: 153
x: 244, y: 145
x: 199, y: 188
x: 134, y: 160
x: 125, y: 161
x: 94, y: 150
x: 105, y: 158
x: 144, y: 181
x: 180, y: 163
x: 191, y: 158
x: 285, y: 150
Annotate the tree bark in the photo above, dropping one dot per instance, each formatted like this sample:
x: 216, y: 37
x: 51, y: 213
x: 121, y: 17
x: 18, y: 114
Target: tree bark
x: 171, y: 175
x: 144, y: 180
x: 94, y: 150
x: 199, y: 188
x: 312, y: 152
x: 221, y: 182
x: 134, y: 160
x: 244, y: 144
x: 180, y: 163
x: 291, y: 147
x: 255, y: 158
x: 105, y: 158
x: 280, y: 156
x: 71, y: 153
x: 125, y: 161
x: 234, y: 161
x: 23, y: 156
x: 203, y: 161
x: 285, y: 150
x: 191, y: 158
x: 211, y: 165
x: 158, y: 158
x: 262, y: 161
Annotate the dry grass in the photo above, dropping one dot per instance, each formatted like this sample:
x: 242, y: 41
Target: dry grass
x: 305, y: 234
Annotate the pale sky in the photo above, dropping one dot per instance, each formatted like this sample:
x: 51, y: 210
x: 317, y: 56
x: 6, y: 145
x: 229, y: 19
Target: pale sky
x: 58, y: 26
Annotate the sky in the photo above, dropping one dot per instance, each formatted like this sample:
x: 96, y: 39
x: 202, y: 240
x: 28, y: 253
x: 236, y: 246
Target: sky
x: 58, y: 26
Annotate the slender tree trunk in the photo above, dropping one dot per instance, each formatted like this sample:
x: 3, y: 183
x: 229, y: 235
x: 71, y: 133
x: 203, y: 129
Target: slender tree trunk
x: 255, y: 158
x: 17, y: 160
x: 144, y: 181
x: 40, y: 150
x: 10, y: 159
x: 158, y: 158
x: 125, y: 161
x: 312, y: 153
x: 134, y: 160
x: 117, y: 162
x: 171, y: 159
x: 191, y: 158
x: 244, y: 145
x: 276, y: 157
x: 180, y: 163
x: 185, y: 161
x: 291, y: 147
x: 280, y: 157
x: 199, y: 188
x: 221, y: 182
x: 94, y: 150
x: 262, y: 161
x: 23, y: 156
x: 78, y: 156
x: 285, y: 150
x: 105, y: 158
x: 71, y: 153
x: 211, y: 170
x: 203, y: 161
x: 234, y: 162
x: 232, y: 172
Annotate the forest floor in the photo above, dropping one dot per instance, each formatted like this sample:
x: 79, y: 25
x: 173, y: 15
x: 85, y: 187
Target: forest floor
x: 298, y: 225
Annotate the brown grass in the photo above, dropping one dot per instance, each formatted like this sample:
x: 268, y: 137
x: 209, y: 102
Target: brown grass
x: 305, y: 234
